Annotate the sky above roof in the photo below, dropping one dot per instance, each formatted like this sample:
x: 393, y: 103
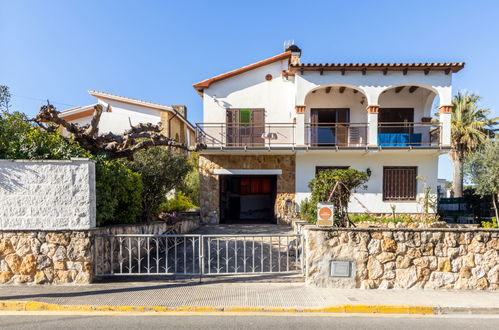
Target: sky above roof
x: 156, y: 50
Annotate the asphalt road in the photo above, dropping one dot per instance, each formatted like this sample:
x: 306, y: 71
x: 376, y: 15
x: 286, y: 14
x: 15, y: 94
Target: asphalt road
x: 207, y: 322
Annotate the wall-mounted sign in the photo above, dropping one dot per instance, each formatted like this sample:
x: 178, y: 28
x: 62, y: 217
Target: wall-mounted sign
x: 325, y: 214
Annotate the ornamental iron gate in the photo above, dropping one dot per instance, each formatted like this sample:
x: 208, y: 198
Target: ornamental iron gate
x: 197, y: 255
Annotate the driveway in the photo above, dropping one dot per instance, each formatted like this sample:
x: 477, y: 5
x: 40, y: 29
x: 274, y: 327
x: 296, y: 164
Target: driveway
x: 244, y: 229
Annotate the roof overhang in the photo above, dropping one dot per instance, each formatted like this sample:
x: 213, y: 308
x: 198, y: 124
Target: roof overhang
x: 222, y: 171
x: 200, y: 86
x: 385, y: 67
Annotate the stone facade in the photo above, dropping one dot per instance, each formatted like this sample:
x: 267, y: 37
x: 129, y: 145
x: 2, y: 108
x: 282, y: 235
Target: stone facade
x: 45, y: 257
x: 63, y: 257
x: 461, y: 259
x: 210, y: 187
x: 47, y: 194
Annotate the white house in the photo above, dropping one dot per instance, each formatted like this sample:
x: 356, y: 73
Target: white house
x: 271, y: 126
x: 121, y: 112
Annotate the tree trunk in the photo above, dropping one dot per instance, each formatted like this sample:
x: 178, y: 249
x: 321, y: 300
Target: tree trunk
x: 457, y: 176
x: 495, y: 206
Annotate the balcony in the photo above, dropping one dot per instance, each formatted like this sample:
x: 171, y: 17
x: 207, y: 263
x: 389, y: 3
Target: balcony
x: 408, y: 134
x: 319, y: 135
x: 323, y: 135
x: 238, y: 136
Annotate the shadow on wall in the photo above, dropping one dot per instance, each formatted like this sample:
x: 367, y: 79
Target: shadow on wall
x: 10, y: 176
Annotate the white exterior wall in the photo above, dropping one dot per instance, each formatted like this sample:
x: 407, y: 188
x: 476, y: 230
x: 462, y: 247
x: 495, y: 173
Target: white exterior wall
x: 372, y: 197
x: 251, y: 90
x: 47, y: 194
x: 374, y: 83
x: 122, y: 114
x: 421, y: 100
x: 118, y: 120
x: 335, y: 99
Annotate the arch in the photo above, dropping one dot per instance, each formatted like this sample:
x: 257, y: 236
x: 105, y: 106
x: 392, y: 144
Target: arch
x: 442, y: 92
x: 357, y: 88
x: 408, y: 95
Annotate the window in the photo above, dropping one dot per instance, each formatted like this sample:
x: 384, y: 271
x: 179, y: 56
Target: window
x: 323, y: 168
x: 399, y: 183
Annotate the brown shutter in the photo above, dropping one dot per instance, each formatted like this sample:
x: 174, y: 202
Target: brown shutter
x: 399, y: 183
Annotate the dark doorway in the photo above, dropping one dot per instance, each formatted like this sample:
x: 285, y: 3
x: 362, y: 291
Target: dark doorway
x: 396, y: 120
x: 329, y: 127
x: 247, y: 199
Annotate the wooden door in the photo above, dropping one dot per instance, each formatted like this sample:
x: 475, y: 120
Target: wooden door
x: 245, y: 127
x: 342, y: 119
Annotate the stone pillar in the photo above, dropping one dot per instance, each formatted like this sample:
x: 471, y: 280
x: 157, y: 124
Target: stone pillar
x: 300, y: 126
x: 372, y: 128
x: 445, y: 122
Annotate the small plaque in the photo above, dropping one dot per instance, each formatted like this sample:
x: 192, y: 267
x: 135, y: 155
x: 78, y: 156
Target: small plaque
x: 341, y: 268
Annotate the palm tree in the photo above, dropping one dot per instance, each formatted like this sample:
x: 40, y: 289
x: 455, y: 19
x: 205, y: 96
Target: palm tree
x: 470, y: 129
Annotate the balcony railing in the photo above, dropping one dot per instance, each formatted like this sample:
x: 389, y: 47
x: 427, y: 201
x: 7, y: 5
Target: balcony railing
x: 407, y: 134
x: 336, y: 134
x: 223, y: 135
x: 317, y: 135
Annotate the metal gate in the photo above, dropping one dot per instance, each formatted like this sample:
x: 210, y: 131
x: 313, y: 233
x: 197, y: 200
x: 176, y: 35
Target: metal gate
x: 197, y: 255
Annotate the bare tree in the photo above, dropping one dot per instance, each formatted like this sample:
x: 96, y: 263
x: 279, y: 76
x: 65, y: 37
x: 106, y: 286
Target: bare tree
x: 4, y: 98
x: 114, y: 146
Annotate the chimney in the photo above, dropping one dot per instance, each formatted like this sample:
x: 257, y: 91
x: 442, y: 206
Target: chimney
x: 181, y: 109
x: 295, y: 54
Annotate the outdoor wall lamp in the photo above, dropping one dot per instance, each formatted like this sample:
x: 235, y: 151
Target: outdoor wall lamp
x: 368, y: 171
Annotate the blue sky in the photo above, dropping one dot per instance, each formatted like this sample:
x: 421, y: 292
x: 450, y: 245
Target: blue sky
x: 156, y: 50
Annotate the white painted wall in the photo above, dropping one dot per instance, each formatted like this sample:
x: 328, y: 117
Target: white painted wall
x: 374, y: 83
x: 421, y: 100
x: 372, y: 197
x: 122, y: 114
x: 335, y: 99
x: 47, y: 194
x: 251, y: 90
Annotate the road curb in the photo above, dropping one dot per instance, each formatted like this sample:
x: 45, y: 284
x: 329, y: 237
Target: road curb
x: 34, y: 306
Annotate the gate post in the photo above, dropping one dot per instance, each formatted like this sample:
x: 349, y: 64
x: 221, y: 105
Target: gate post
x: 201, y: 257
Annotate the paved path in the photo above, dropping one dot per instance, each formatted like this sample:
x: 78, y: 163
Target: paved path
x: 208, y: 322
x: 219, y: 295
x: 244, y: 229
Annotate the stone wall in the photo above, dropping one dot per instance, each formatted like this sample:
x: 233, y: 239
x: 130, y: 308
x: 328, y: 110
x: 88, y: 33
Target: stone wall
x: 63, y: 257
x: 210, y: 187
x: 45, y: 257
x: 47, y: 194
x: 462, y: 259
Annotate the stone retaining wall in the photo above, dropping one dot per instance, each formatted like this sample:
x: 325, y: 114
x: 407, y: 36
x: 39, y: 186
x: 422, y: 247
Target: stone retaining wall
x: 62, y: 257
x: 462, y: 259
x: 45, y: 257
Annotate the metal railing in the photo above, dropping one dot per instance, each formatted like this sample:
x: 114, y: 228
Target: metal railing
x: 197, y: 254
x: 223, y: 135
x: 336, y: 134
x: 408, y: 134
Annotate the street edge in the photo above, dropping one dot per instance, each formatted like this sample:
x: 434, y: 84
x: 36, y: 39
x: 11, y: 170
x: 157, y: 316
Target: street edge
x: 34, y: 306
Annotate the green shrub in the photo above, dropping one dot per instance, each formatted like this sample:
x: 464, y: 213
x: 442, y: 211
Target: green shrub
x: 361, y: 217
x: 161, y: 171
x: 190, y: 185
x: 308, y: 211
x: 118, y: 191
x: 336, y: 187
x: 19, y: 139
x: 179, y: 203
x: 490, y: 224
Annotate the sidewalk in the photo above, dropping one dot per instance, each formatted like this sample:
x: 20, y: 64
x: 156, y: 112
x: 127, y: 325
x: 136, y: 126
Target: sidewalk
x: 252, y: 297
